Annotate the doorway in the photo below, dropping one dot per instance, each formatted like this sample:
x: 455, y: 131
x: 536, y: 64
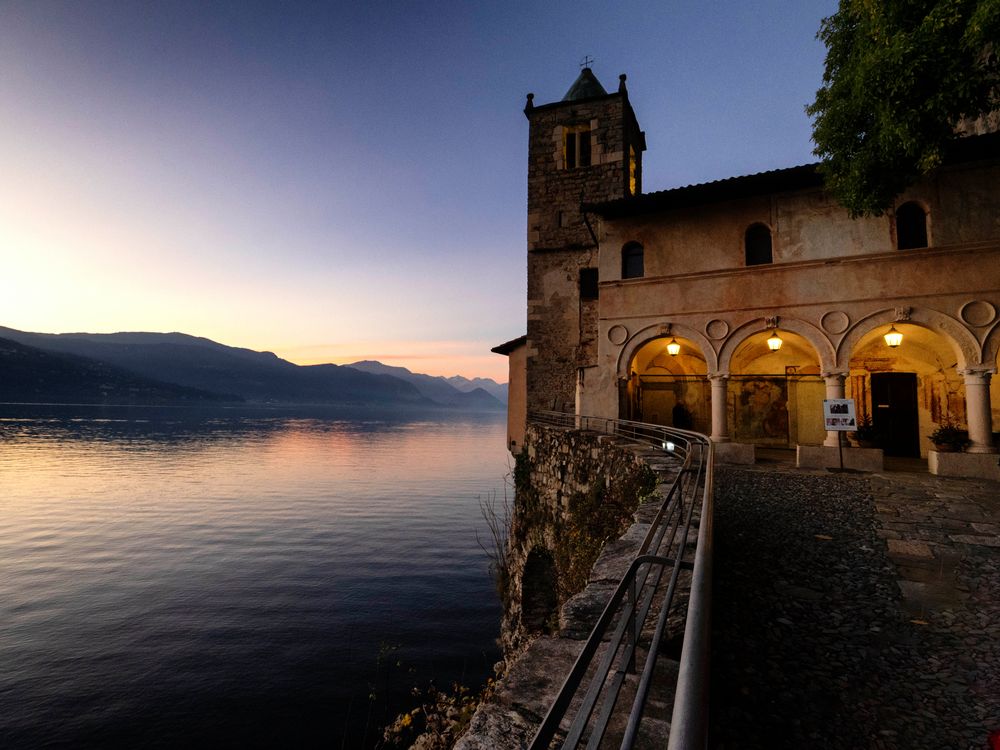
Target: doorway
x: 894, y: 412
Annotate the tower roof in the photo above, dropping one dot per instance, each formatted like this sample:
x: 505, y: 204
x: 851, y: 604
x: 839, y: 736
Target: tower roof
x: 586, y: 86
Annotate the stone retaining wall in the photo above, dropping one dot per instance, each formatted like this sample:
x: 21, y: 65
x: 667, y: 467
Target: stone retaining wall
x: 579, y: 503
x: 574, y: 491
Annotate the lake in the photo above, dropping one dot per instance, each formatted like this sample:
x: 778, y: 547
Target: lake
x: 238, y: 577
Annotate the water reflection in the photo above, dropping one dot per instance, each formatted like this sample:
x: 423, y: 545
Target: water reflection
x: 170, y: 574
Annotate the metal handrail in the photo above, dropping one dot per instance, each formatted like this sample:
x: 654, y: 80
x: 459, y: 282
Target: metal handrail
x: 670, y: 529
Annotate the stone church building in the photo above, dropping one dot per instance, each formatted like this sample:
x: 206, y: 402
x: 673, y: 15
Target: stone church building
x: 735, y: 307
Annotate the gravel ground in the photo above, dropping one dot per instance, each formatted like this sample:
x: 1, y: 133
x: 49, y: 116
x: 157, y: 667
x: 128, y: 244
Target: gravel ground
x: 810, y: 645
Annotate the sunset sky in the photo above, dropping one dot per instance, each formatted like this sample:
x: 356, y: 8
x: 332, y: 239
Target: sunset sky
x: 340, y: 181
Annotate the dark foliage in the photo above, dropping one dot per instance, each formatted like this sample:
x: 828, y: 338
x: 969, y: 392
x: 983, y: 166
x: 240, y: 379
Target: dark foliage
x: 901, y: 75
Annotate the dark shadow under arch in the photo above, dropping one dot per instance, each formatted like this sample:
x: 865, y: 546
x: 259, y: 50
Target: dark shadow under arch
x: 538, y: 591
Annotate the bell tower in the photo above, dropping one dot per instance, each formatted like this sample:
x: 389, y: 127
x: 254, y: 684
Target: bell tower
x: 586, y: 148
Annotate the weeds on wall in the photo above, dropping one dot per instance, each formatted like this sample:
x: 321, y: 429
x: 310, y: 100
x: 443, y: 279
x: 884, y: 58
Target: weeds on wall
x: 596, y: 517
x: 497, y: 514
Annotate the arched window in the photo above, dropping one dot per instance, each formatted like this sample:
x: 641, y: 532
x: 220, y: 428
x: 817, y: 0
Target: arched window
x: 632, y: 267
x: 911, y: 226
x: 757, y: 245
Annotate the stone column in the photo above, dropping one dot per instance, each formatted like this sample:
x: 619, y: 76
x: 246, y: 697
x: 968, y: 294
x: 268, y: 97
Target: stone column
x: 720, y: 429
x: 834, y: 389
x: 978, y: 410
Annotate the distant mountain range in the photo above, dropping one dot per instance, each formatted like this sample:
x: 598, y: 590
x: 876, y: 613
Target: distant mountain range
x: 176, y: 367
x: 454, y: 391
x: 30, y: 375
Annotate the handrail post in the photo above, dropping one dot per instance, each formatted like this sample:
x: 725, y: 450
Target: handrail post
x: 633, y: 631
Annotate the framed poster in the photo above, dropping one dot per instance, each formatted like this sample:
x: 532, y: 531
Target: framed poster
x: 838, y: 414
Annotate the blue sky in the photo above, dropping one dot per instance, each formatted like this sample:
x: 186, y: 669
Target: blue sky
x: 338, y: 181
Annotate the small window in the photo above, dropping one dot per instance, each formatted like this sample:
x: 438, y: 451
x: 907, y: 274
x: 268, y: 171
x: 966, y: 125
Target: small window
x: 632, y: 266
x: 757, y: 245
x: 633, y: 171
x: 911, y: 226
x: 577, y: 146
x: 588, y: 283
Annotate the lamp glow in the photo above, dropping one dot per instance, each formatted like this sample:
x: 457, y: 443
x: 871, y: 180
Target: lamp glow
x: 673, y: 348
x: 774, y: 341
x: 893, y: 338
x: 668, y: 446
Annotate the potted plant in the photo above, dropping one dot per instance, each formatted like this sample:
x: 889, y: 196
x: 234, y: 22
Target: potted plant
x: 949, y: 437
x: 866, y: 436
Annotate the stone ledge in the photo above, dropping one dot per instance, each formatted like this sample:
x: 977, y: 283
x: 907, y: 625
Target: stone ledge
x: 827, y: 457
x: 972, y: 465
x: 494, y: 726
x: 735, y: 453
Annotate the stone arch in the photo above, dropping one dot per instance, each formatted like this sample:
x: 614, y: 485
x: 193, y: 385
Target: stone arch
x: 655, y: 331
x: 662, y: 388
x: 991, y: 346
x: 538, y: 591
x: 963, y: 342
x: 820, y: 343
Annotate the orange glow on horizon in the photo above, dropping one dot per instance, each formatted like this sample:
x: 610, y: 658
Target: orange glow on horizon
x: 471, y: 359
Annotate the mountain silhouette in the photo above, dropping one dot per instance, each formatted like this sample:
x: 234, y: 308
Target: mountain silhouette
x: 436, y: 388
x: 30, y: 375
x: 198, y: 368
x: 492, y: 387
x: 199, y: 363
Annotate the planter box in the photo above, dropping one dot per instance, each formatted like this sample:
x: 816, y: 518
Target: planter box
x: 825, y: 457
x: 972, y: 465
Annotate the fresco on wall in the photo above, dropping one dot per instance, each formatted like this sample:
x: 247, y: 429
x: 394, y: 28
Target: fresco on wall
x: 680, y: 401
x: 760, y: 410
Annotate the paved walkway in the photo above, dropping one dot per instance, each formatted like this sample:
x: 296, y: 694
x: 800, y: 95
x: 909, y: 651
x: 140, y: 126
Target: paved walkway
x: 932, y: 526
x: 855, y: 611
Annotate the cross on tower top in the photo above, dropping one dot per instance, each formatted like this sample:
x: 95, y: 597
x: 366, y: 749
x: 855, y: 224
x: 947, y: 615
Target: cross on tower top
x: 587, y: 61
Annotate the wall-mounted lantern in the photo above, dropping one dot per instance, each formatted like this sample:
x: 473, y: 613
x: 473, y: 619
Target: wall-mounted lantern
x: 774, y: 341
x: 893, y: 338
x: 673, y: 348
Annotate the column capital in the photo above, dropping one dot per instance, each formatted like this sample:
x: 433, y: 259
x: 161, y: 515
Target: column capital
x: 834, y: 375
x: 719, y: 377
x: 977, y: 375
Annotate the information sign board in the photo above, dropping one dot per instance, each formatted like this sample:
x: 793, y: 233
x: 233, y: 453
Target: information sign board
x: 838, y: 414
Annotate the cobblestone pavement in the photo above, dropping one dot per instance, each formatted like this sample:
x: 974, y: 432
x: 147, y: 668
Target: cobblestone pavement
x: 855, y: 611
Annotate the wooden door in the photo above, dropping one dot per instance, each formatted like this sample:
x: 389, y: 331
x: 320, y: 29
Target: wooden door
x: 894, y: 412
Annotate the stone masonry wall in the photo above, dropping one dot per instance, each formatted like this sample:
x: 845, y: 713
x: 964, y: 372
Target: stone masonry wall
x: 574, y: 491
x: 554, y: 327
x: 562, y: 333
x: 554, y: 192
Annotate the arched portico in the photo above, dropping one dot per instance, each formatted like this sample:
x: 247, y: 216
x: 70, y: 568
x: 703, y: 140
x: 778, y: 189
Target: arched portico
x: 991, y: 365
x: 817, y: 339
x: 908, y: 390
x: 664, y: 330
x: 962, y: 342
x: 774, y: 388
x: 662, y: 372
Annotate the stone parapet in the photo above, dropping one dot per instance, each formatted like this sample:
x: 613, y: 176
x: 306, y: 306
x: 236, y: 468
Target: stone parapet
x: 972, y: 465
x: 827, y: 457
x: 735, y: 453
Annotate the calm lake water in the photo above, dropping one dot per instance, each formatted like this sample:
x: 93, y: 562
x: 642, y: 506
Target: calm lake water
x: 238, y: 578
